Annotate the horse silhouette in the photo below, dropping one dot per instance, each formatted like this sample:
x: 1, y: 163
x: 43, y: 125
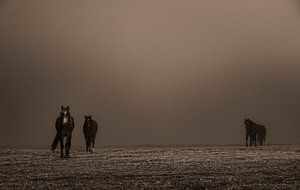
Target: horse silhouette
x: 90, y: 129
x: 64, y: 127
x: 251, y: 131
x: 256, y: 132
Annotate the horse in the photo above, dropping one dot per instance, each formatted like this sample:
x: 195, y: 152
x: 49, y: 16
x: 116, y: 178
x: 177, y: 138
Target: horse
x: 262, y: 132
x: 90, y: 129
x: 64, y: 127
x: 251, y: 131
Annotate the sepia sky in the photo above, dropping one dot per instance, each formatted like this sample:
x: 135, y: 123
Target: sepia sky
x: 150, y: 72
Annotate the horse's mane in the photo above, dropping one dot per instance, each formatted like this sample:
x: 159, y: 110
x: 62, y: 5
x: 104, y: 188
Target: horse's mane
x: 251, y: 122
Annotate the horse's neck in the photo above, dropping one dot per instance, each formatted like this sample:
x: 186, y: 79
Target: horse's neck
x: 252, y: 122
x: 65, y: 119
x: 87, y: 124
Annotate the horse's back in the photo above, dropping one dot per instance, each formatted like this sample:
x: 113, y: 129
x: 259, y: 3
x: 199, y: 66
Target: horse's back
x: 91, y: 129
x: 251, y: 129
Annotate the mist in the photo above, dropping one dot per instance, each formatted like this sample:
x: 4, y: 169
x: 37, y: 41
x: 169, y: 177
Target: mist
x: 150, y: 72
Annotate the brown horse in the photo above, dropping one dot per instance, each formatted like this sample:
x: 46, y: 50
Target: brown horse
x: 90, y: 129
x: 256, y: 132
x: 64, y: 127
x: 251, y: 131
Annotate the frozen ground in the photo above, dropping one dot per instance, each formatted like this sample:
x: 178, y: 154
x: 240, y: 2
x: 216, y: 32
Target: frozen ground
x: 153, y: 167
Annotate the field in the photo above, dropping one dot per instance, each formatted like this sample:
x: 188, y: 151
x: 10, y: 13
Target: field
x: 153, y: 167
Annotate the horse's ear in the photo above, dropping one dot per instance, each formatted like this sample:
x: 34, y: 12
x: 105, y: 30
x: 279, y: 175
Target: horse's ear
x: 90, y: 116
x: 85, y: 116
x: 62, y: 107
x: 68, y: 108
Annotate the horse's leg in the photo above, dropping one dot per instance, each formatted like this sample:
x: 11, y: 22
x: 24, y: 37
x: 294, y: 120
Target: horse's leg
x: 70, y: 140
x: 262, y: 139
x: 86, y: 144
x: 250, y: 141
x: 89, y: 144
x: 61, y: 141
x: 259, y: 139
x: 246, y: 139
x: 68, y: 145
x: 93, y: 144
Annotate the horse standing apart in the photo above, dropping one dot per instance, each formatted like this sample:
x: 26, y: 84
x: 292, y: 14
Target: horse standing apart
x: 90, y: 129
x: 251, y: 131
x: 64, y: 127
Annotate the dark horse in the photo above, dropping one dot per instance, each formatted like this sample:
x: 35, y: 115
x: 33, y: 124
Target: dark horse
x: 64, y: 126
x: 90, y: 129
x: 251, y: 131
x: 256, y: 132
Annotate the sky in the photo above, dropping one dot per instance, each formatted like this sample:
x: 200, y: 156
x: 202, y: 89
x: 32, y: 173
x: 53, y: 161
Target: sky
x: 150, y: 72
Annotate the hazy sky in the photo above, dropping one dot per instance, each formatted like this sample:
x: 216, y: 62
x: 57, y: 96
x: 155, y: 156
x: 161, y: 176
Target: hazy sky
x: 150, y: 72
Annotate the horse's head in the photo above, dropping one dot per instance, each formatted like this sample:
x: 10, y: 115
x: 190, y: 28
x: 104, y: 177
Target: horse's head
x: 246, y: 121
x: 88, y: 117
x: 65, y: 111
x: 65, y: 114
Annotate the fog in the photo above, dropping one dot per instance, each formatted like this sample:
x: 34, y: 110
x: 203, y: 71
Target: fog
x: 150, y: 72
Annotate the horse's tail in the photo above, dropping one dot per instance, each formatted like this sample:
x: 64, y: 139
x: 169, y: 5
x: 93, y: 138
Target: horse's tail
x: 55, y: 142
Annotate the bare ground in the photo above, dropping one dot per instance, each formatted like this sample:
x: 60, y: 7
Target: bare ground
x: 153, y: 167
